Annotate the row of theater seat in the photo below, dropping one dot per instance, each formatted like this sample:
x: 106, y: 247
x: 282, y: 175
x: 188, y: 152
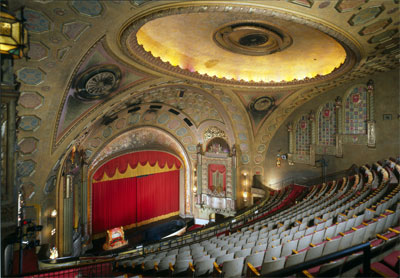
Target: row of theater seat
x: 284, y: 239
x: 389, y: 266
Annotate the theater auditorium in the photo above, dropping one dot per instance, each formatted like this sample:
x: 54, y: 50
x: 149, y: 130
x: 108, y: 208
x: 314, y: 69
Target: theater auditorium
x: 200, y: 138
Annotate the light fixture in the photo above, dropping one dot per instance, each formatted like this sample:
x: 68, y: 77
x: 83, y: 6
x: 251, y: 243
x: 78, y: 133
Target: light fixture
x: 53, y: 213
x: 53, y: 231
x: 245, y: 179
x: 245, y: 195
x: 194, y: 189
x: 53, y: 253
x: 13, y: 36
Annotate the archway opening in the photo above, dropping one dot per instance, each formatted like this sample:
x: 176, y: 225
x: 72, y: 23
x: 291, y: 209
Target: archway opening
x: 135, y: 189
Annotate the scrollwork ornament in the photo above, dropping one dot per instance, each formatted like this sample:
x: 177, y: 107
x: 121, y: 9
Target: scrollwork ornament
x: 213, y: 132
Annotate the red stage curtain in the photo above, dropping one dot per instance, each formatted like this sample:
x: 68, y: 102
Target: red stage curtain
x: 157, y: 195
x: 114, y: 204
x: 132, y: 200
x: 212, y: 168
x: 121, y: 162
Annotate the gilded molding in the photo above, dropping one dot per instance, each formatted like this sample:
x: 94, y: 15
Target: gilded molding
x: 137, y: 52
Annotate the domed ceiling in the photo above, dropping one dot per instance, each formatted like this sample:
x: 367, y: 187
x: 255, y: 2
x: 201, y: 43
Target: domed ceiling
x: 240, y: 66
x: 239, y: 45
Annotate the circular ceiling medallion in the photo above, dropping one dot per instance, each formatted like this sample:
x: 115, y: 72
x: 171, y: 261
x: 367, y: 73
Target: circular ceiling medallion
x: 97, y: 82
x: 252, y: 38
x: 262, y: 104
x: 238, y: 45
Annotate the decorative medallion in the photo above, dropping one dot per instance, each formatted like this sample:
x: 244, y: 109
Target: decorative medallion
x: 253, y: 38
x: 262, y: 104
x: 97, y: 83
x: 213, y: 132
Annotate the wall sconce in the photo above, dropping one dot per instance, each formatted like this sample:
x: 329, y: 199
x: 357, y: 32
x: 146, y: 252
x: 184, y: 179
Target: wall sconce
x: 195, y: 182
x: 51, y: 219
x: 53, y: 253
x: 278, y: 161
x: 245, y: 179
x: 53, y: 213
x: 245, y: 195
x: 53, y: 231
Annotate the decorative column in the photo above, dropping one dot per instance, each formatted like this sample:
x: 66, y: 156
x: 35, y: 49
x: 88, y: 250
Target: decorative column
x: 199, y: 173
x: 290, y: 131
x: 311, y: 117
x: 291, y: 143
x: 339, y: 122
x: 85, y: 200
x: 9, y: 95
x: 234, y: 167
x: 371, y: 115
x: 68, y: 209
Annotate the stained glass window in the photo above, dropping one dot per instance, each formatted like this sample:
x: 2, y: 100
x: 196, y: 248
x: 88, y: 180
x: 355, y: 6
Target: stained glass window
x: 355, y: 111
x: 327, y: 125
x: 303, y: 135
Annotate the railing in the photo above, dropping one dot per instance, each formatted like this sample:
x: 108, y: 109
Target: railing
x: 97, y: 269
x: 364, y: 247
x: 315, y: 180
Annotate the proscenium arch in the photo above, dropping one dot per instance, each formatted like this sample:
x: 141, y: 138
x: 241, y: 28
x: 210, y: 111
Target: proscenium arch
x: 186, y: 176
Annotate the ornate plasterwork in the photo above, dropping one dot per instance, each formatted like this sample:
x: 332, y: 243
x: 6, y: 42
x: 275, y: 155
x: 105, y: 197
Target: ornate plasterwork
x: 252, y: 38
x: 213, y: 132
x: 131, y: 47
x: 61, y: 132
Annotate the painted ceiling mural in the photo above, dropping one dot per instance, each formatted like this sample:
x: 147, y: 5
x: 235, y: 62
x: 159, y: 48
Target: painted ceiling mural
x: 79, y: 73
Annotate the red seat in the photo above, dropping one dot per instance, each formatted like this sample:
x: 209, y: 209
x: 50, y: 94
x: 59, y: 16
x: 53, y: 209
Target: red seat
x: 383, y: 270
x: 376, y: 242
x: 314, y: 270
x: 392, y: 260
